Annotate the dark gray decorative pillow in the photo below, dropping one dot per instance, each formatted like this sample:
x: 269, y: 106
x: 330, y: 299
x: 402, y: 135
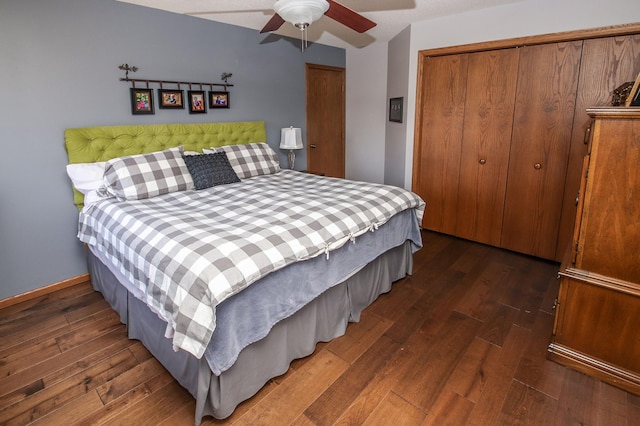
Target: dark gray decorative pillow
x: 209, y: 170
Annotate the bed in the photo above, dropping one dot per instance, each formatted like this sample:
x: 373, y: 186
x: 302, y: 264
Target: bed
x: 227, y: 278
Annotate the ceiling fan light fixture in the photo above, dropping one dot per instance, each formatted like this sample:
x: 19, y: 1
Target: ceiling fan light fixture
x: 301, y: 13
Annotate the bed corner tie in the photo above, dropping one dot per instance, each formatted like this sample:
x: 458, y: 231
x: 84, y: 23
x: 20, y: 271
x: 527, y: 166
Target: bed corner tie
x: 326, y: 251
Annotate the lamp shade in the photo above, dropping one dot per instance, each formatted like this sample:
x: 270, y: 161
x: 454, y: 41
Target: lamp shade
x: 301, y: 11
x: 291, y: 138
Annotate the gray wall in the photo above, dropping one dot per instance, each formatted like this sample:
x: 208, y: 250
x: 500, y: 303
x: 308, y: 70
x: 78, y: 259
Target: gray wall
x: 58, y: 69
x: 366, y: 107
x: 396, y: 133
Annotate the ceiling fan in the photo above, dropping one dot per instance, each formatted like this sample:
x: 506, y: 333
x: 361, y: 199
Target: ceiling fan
x: 302, y: 13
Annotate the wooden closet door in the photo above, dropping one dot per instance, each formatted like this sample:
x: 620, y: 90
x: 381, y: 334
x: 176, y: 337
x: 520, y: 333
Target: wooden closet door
x: 491, y: 89
x: 439, y: 138
x: 545, y: 99
x: 606, y: 64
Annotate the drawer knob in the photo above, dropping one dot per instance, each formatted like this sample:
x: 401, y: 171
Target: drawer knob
x: 482, y: 161
x: 537, y: 166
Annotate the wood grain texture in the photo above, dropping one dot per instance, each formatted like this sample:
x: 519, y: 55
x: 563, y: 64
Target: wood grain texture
x: 606, y: 63
x: 36, y: 294
x: 488, y: 118
x: 585, y: 34
x: 601, y: 323
x: 595, y: 329
x: 325, y: 106
x: 455, y: 351
x: 536, y: 219
x: 609, y: 239
x: 439, y: 139
x: 543, y: 116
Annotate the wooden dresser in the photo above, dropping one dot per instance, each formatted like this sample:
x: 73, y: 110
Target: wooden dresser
x: 597, y: 323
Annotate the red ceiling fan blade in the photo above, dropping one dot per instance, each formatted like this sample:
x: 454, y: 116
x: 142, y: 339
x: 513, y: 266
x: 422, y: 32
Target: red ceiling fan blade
x: 348, y: 17
x: 274, y: 23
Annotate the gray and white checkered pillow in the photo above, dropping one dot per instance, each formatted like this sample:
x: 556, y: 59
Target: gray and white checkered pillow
x: 251, y: 159
x: 147, y: 175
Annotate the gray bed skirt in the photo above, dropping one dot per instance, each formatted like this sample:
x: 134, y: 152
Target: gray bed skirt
x: 323, y: 319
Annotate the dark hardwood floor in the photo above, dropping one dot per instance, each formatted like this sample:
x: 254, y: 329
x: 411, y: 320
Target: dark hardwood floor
x: 460, y: 342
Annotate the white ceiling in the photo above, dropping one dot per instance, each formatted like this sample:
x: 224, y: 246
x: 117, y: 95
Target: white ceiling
x: 392, y: 16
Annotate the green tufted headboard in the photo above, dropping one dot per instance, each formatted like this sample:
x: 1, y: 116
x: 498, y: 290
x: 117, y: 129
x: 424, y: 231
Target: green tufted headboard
x: 102, y: 143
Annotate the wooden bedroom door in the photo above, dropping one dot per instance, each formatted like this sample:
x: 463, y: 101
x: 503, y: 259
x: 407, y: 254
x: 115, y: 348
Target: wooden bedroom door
x: 325, y: 120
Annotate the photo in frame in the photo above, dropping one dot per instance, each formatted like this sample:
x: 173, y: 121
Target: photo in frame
x: 634, y: 95
x: 170, y: 99
x: 635, y: 100
x: 218, y: 100
x: 395, y: 109
x: 141, y: 101
x: 196, y: 102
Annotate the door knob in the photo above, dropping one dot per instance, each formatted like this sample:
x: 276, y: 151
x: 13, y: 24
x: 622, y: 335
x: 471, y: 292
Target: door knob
x: 537, y: 166
x: 482, y: 161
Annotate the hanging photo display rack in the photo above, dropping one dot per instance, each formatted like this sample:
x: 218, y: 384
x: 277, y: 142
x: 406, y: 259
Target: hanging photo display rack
x: 142, y: 99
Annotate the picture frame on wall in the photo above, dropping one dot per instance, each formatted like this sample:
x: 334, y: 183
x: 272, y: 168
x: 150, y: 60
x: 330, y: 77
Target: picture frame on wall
x: 218, y: 100
x: 197, y: 102
x: 634, y: 96
x: 141, y: 101
x: 396, y: 109
x: 171, y: 99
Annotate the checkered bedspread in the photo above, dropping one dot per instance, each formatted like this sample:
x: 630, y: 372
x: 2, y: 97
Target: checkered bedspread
x: 188, y: 251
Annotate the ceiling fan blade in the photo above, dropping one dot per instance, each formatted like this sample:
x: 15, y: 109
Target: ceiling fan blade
x: 348, y: 17
x: 274, y: 23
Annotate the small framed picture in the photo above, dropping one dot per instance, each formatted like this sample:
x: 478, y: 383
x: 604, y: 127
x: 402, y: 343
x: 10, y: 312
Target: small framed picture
x: 395, y: 109
x: 218, y: 100
x: 170, y: 99
x: 196, y: 102
x: 635, y: 100
x: 141, y: 101
x: 634, y: 95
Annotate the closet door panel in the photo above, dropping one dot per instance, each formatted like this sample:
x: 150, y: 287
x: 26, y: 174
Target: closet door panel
x: 606, y: 64
x: 491, y: 89
x: 439, y: 138
x: 543, y: 116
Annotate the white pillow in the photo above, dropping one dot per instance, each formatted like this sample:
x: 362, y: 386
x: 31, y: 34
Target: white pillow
x: 86, y: 176
x: 94, y: 196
